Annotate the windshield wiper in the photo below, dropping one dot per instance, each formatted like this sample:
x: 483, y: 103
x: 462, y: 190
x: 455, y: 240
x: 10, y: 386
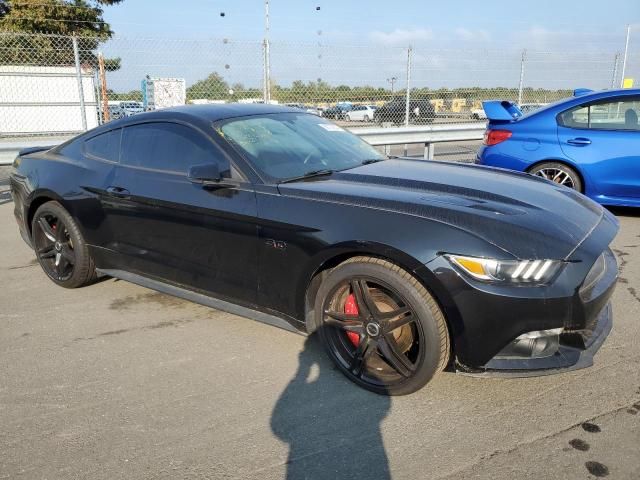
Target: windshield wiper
x: 312, y: 173
x: 372, y: 160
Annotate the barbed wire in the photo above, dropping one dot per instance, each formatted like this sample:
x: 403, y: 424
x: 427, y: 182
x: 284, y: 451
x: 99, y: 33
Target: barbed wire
x: 54, y: 5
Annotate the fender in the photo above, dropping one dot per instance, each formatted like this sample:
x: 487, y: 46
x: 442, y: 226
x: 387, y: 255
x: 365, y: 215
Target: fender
x: 333, y: 256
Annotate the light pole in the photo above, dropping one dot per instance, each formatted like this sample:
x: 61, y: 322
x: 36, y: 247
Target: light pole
x: 521, y: 84
x: 392, y: 81
x: 624, y: 58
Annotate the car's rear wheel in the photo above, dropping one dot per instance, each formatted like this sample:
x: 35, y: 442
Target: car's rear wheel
x: 366, y: 118
x: 60, y: 248
x: 381, y: 327
x: 558, y: 173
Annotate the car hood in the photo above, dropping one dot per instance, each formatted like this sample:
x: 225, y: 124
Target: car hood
x: 523, y: 215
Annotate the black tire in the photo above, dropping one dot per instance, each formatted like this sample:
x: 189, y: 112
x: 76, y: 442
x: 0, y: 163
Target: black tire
x: 558, y: 173
x: 366, y: 118
x: 60, y: 248
x: 405, y: 351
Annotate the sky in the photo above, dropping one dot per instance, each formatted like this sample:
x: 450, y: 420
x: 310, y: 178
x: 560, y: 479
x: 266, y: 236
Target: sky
x: 461, y: 43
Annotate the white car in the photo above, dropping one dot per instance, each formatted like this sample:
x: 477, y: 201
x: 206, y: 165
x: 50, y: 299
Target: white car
x: 360, y: 113
x: 312, y: 110
x: 531, y: 107
x: 131, y: 108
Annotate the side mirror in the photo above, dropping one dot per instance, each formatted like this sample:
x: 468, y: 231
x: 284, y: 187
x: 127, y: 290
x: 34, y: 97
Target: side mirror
x: 208, y: 175
x: 205, y: 173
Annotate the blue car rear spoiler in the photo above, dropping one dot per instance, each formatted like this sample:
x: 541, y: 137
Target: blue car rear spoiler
x: 501, y: 110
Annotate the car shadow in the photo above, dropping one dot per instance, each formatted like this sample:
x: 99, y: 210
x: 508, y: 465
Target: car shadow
x: 332, y: 426
x: 624, y: 211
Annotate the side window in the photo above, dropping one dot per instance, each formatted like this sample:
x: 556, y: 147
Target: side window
x: 168, y: 146
x: 617, y: 115
x: 604, y: 115
x: 105, y: 146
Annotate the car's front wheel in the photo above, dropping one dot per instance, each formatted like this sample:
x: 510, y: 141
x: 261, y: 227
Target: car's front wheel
x: 381, y: 327
x: 60, y: 248
x: 558, y: 173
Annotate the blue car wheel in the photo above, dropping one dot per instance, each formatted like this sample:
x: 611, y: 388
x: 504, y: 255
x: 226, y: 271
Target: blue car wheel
x: 558, y: 173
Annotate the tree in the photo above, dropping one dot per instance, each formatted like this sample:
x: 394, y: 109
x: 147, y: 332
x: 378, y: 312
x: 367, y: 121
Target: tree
x: 59, y: 20
x: 213, y: 87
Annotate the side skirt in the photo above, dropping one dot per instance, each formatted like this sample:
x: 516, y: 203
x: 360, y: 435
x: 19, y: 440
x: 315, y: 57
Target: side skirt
x: 200, y: 298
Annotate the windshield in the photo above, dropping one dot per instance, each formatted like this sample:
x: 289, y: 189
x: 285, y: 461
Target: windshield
x: 289, y: 145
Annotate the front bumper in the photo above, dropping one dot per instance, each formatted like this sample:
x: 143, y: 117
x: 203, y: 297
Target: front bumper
x: 487, y: 320
x: 568, y: 357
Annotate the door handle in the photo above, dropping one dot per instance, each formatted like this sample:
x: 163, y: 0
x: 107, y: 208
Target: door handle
x: 580, y: 141
x: 118, y: 192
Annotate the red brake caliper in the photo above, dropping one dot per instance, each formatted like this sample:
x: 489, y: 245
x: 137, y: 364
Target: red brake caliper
x: 351, y: 308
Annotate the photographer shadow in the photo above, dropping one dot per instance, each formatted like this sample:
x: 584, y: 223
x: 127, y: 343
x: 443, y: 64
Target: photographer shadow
x: 332, y: 426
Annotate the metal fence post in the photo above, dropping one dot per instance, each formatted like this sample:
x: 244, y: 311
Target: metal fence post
x: 76, y: 56
x: 408, y: 94
x: 614, y: 74
x: 429, y: 149
x: 521, y: 85
x: 266, y: 87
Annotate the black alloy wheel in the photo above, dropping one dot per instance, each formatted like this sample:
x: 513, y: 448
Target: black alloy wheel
x: 381, y: 327
x: 60, y: 248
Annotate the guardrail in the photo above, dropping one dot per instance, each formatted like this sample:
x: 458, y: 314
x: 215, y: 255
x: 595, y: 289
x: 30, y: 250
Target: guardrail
x: 427, y: 135
x: 10, y: 148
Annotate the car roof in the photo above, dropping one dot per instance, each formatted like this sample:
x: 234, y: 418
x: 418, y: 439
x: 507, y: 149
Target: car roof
x: 199, y: 115
x: 216, y: 112
x: 570, y: 102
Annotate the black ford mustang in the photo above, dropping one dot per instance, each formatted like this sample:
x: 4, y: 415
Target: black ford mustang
x: 403, y: 267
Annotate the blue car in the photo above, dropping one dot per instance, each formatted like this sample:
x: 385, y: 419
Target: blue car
x: 589, y: 142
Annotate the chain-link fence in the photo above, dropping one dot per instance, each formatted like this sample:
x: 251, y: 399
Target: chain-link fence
x: 58, y: 84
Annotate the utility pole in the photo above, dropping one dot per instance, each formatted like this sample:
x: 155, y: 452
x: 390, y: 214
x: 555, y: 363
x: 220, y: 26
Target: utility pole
x: 267, y: 59
x: 624, y: 59
x: 392, y: 81
x: 106, y: 114
x: 521, y: 85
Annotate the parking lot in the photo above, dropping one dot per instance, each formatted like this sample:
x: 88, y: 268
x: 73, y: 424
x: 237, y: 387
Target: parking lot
x: 116, y: 381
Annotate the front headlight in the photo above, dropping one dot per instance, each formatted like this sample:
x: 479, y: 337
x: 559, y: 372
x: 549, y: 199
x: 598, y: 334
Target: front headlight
x: 507, y: 271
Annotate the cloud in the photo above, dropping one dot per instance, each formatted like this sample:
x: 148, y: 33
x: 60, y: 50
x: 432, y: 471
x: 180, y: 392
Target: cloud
x: 472, y: 35
x: 401, y: 36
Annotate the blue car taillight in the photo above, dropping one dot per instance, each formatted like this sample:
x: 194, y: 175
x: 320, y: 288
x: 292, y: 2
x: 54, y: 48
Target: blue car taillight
x: 493, y: 137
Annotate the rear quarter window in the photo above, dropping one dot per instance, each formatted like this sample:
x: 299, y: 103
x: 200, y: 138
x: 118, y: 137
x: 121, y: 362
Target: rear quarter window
x: 105, y: 146
x: 577, y: 117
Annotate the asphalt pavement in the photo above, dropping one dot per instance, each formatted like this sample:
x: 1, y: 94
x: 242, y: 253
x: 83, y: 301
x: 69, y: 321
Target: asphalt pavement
x: 116, y: 381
